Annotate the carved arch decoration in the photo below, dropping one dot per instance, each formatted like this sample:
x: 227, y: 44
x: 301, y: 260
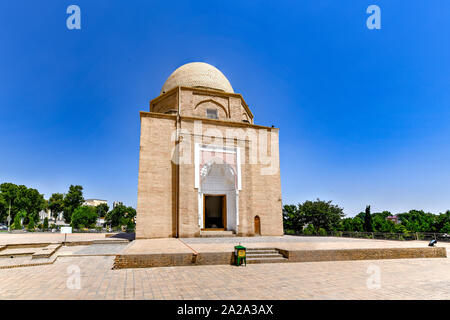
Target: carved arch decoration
x: 218, y: 105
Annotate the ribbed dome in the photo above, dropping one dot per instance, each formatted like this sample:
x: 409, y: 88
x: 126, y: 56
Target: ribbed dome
x: 197, y: 74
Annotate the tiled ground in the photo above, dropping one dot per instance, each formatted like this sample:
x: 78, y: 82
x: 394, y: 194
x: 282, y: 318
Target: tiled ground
x: 42, y: 237
x: 186, y: 245
x: 399, y: 279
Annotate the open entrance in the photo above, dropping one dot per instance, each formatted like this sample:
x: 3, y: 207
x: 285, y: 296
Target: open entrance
x: 257, y: 226
x: 215, y: 212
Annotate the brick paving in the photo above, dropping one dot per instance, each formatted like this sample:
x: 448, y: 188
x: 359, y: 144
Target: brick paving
x: 400, y: 279
x: 48, y: 237
x: 172, y: 245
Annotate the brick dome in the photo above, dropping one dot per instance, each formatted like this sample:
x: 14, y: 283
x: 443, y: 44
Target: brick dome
x: 197, y: 75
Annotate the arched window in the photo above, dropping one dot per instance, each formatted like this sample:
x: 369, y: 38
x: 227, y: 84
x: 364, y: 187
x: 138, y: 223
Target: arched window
x: 212, y: 114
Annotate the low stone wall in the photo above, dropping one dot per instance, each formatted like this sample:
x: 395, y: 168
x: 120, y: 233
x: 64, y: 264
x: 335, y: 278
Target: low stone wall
x: 123, y: 261
x: 364, y: 254
x: 152, y: 260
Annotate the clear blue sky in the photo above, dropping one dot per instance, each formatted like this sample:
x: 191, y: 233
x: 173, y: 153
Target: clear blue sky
x: 363, y: 114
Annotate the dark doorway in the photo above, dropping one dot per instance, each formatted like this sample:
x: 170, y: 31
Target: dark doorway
x: 257, y: 226
x: 215, y: 212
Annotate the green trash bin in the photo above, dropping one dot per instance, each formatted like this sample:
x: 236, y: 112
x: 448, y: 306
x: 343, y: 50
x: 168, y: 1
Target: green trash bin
x: 240, y: 253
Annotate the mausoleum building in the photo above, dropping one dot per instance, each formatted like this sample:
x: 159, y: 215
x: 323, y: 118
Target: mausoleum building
x: 204, y: 166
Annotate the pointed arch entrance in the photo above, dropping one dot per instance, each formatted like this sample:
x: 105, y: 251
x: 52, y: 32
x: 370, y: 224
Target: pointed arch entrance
x: 217, y: 172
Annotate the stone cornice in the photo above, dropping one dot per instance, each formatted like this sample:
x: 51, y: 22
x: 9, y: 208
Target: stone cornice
x: 144, y: 114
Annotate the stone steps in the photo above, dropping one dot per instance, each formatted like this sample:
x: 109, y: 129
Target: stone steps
x: 216, y: 234
x: 110, y: 241
x: 46, y: 252
x: 264, y: 255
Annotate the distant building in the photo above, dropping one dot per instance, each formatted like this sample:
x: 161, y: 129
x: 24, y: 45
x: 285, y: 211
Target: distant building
x: 100, y: 222
x: 94, y: 202
x: 117, y: 203
x: 394, y: 219
x: 47, y: 214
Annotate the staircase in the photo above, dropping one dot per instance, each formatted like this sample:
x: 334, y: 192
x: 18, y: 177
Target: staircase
x: 264, y: 255
x: 216, y: 233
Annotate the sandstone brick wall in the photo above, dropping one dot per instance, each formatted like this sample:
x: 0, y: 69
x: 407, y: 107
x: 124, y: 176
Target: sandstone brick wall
x: 156, y: 206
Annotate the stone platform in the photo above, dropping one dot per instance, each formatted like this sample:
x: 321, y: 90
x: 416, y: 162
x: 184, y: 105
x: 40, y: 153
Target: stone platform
x: 37, y: 249
x: 166, y: 252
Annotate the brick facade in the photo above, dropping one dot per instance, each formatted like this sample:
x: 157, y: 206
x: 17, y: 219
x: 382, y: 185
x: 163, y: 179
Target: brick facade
x: 168, y: 202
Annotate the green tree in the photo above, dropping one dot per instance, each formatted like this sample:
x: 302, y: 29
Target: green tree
x: 121, y: 215
x: 368, y: 220
x: 419, y: 221
x: 45, y: 225
x: 84, y: 216
x: 358, y: 224
x: 445, y: 228
x: 102, y: 210
x: 21, y: 198
x: 72, y: 200
x: 292, y: 218
x: 18, y: 220
x: 30, y: 226
x: 321, y: 214
x: 309, y: 230
x: 8, y: 192
x: 3, y: 208
x: 56, y: 204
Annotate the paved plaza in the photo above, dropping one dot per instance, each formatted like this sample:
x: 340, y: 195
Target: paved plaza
x: 85, y: 272
x: 49, y: 237
x: 399, y: 279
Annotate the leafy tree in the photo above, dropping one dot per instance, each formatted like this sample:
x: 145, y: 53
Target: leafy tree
x: 121, y: 215
x: 309, y: 230
x: 72, y: 200
x: 352, y: 224
x: 321, y: 214
x: 21, y: 198
x: 8, y: 193
x: 381, y: 224
x: 56, y: 204
x: 84, y: 216
x: 3, y: 208
x: 419, y: 221
x: 446, y: 228
x: 102, y: 210
x: 18, y: 219
x: 292, y: 218
x: 322, y: 232
x: 368, y: 220
x: 358, y: 224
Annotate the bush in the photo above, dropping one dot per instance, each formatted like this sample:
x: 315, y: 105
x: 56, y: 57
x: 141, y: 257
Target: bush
x: 309, y: 230
x: 83, y: 216
x: 45, y: 225
x: 31, y: 226
x: 17, y: 222
x: 322, y: 232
